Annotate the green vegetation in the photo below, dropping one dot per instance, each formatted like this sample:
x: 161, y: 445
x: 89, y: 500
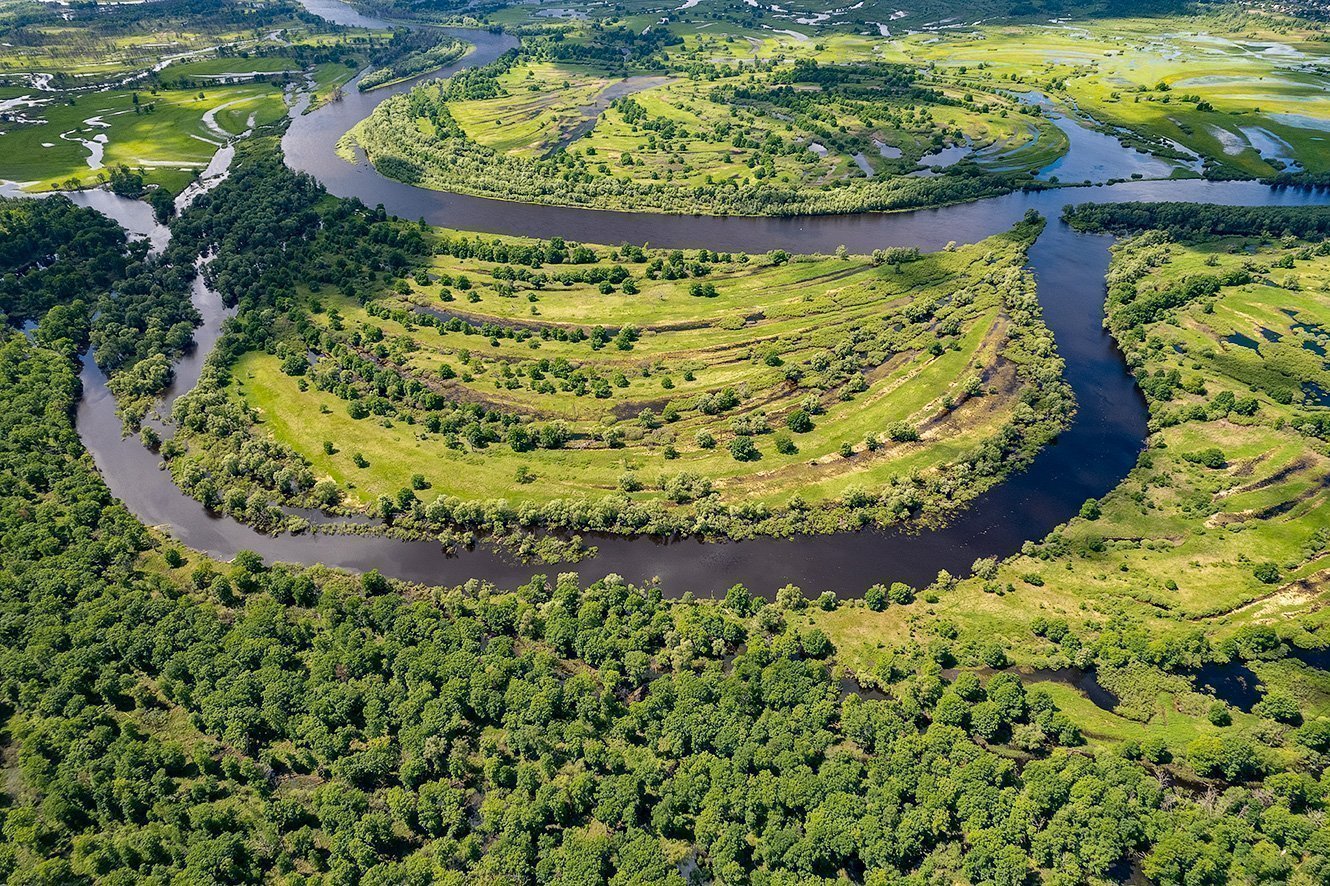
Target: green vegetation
x: 87, y: 93
x: 1075, y: 714
x: 71, y: 272
x: 167, y: 135
x: 434, y: 54
x: 1245, y: 92
x: 172, y: 718
x: 686, y: 133
x: 734, y: 119
x: 1214, y: 547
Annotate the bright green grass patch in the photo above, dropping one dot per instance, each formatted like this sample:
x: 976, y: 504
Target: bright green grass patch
x: 1253, y: 102
x: 171, y: 137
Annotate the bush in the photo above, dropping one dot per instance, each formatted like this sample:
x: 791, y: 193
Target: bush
x: 900, y: 593
x: 1279, y: 706
x: 875, y: 598
x: 903, y: 432
x: 1229, y: 757
x: 1266, y: 573
x: 1315, y: 735
x: 1210, y: 458
x: 743, y: 449
x: 799, y: 421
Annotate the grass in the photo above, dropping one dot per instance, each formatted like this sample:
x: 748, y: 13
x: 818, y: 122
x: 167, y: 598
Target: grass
x: 181, y: 63
x: 766, y: 319
x: 1261, y: 89
x: 696, y: 133
x: 171, y: 143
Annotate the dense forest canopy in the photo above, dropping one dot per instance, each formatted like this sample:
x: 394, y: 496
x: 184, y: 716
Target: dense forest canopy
x: 173, y: 717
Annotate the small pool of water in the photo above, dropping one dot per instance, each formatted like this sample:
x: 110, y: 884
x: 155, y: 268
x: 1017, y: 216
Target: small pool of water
x: 1315, y: 395
x: 1232, y: 682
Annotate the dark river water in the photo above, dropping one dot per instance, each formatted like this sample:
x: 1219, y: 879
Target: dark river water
x: 1086, y: 461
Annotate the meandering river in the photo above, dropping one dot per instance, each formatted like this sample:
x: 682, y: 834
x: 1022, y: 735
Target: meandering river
x: 1087, y: 460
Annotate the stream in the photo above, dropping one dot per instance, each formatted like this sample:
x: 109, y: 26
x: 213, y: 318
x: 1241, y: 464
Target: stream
x: 1086, y: 461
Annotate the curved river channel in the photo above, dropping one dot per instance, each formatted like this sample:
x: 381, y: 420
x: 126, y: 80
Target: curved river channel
x: 1086, y: 461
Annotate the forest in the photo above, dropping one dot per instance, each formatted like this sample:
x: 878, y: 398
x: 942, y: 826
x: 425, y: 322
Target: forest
x: 170, y: 717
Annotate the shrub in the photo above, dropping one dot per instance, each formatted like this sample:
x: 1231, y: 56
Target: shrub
x: 1210, y: 458
x: 903, y: 432
x: 743, y: 449
x: 900, y: 593
x: 875, y: 598
x: 1266, y: 573
x: 1279, y: 706
x: 799, y: 421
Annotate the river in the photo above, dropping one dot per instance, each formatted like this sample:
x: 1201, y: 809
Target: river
x: 1086, y: 461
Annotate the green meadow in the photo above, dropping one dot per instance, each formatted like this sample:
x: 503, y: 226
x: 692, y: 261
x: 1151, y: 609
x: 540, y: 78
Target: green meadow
x: 171, y: 137
x: 732, y: 348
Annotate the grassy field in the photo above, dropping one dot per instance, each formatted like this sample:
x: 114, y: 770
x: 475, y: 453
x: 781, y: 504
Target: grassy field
x: 838, y: 131
x: 171, y: 137
x: 1238, y: 94
x: 1221, y: 529
x: 103, y: 86
x: 692, y: 133
x: 858, y: 346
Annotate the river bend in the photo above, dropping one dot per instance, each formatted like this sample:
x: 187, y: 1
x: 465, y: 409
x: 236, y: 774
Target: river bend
x: 1086, y: 461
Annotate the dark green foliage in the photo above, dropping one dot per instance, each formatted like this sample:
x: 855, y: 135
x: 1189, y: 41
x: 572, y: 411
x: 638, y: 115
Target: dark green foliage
x: 92, y: 249
x: 1182, y: 219
x: 742, y: 448
x: 267, y: 719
